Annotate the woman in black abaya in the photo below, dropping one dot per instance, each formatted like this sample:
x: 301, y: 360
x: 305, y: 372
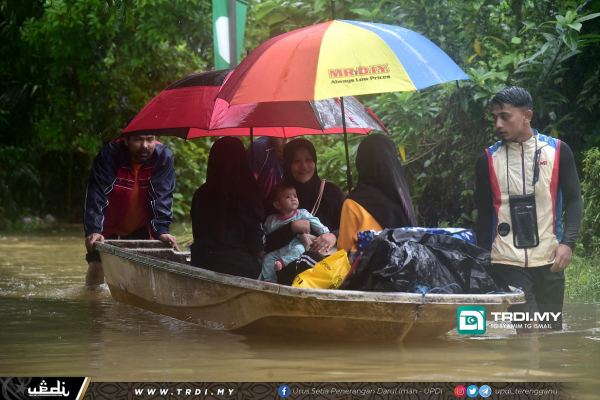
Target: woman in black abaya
x: 227, y: 214
x: 381, y: 198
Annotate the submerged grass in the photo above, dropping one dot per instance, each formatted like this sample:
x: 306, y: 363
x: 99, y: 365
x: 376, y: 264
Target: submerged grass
x: 583, y: 278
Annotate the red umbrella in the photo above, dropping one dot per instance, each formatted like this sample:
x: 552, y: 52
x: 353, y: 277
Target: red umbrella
x: 190, y: 108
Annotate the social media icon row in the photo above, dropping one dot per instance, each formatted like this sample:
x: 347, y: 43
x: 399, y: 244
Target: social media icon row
x: 472, y: 391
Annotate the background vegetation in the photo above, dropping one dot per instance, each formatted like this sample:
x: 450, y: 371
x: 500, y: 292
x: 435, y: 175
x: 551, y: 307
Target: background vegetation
x: 73, y: 72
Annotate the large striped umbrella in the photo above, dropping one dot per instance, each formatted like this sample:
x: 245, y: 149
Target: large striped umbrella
x: 339, y: 58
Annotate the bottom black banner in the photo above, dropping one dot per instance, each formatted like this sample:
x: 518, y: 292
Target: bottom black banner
x: 81, y: 388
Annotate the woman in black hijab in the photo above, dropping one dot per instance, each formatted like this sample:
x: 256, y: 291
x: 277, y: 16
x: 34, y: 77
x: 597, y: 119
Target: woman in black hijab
x: 227, y: 214
x: 381, y: 198
x: 300, y: 170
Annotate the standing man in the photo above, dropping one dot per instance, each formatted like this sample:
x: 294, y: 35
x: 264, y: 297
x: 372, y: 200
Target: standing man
x: 129, y: 196
x: 268, y: 162
x: 524, y: 183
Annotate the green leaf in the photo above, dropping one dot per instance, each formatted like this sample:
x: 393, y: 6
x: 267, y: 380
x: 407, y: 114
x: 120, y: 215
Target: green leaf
x: 414, y: 142
x: 480, y: 95
x: 570, y: 38
x: 362, y: 11
x: 129, y: 17
x: 588, y: 17
x: 589, y: 37
x: 378, y: 7
x: 265, y: 8
x: 319, y: 4
x: 569, y: 17
x: 275, y: 18
x: 528, y: 26
x: 502, y: 42
x: 576, y: 25
x: 515, y: 40
x: 464, y: 103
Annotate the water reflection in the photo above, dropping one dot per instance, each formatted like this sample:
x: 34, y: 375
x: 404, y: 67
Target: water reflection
x: 53, y: 325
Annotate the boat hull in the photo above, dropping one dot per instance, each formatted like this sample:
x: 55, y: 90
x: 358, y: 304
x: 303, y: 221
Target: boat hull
x: 146, y: 275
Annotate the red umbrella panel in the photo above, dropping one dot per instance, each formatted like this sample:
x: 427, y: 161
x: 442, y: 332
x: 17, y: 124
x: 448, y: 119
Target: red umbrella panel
x: 189, y: 108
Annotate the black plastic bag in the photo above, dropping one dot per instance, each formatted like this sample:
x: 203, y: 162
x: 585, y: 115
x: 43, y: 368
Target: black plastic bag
x: 399, y: 261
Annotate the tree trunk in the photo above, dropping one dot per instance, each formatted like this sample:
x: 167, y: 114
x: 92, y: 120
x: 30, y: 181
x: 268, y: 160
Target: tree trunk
x: 516, y: 8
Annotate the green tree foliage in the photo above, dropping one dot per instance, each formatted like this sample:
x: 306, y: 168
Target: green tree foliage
x: 73, y: 73
x: 583, y: 278
x: 590, y: 188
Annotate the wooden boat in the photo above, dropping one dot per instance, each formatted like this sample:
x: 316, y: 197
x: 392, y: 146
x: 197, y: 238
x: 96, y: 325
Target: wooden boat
x: 148, y: 275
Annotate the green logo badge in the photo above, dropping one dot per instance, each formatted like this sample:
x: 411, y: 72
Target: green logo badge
x: 470, y: 320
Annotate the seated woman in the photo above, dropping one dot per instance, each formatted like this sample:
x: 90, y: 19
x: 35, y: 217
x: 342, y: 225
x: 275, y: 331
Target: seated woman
x: 381, y: 198
x: 300, y: 170
x: 227, y: 214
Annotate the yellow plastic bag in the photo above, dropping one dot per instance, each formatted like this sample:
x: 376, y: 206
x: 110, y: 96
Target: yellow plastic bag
x: 328, y: 273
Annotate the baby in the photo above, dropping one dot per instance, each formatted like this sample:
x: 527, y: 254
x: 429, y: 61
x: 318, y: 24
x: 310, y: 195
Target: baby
x: 285, y: 202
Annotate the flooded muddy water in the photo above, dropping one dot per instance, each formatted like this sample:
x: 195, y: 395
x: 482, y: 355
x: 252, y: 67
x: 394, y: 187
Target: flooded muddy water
x: 52, y: 325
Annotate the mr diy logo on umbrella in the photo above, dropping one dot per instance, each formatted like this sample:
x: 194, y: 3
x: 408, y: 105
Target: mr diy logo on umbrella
x: 359, y: 74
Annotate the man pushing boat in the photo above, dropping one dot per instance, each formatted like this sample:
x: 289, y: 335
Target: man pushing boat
x: 129, y: 196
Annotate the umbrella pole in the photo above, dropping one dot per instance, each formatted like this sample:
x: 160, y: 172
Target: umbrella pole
x: 348, y: 171
x: 252, y: 148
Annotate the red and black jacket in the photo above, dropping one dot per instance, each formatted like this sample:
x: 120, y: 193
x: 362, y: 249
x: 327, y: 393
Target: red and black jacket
x: 110, y: 188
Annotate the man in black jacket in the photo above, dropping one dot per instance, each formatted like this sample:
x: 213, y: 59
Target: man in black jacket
x: 129, y: 196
